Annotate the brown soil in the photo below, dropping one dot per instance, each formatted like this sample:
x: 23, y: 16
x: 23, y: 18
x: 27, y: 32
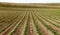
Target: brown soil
x: 57, y: 21
x: 4, y: 24
x: 33, y: 30
x: 52, y: 21
x: 28, y: 32
x: 10, y: 28
x: 42, y: 28
x: 51, y: 26
x: 20, y: 28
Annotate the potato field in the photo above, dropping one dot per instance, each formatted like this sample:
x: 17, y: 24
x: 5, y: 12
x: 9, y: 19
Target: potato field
x: 29, y: 21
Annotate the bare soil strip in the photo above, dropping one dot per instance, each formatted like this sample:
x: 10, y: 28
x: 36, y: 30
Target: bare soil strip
x: 58, y: 25
x: 7, y: 24
x: 57, y: 21
x: 43, y: 29
x: 50, y: 21
x: 20, y: 28
x: 28, y: 31
x: 11, y: 27
x: 7, y: 20
x: 57, y: 30
x: 31, y: 27
x: 25, y: 25
x: 55, y: 18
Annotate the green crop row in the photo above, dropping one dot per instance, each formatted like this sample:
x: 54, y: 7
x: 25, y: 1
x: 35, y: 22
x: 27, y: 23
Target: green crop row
x: 53, y: 31
x: 38, y: 30
x: 8, y: 23
x: 26, y: 28
x: 18, y: 25
x: 5, y: 28
x: 54, y: 20
x: 51, y: 22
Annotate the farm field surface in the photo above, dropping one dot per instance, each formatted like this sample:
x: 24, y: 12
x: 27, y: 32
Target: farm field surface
x: 29, y: 20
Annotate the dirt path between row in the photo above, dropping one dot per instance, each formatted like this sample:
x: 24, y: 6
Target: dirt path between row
x: 7, y: 24
x: 33, y: 30
x: 51, y: 26
x: 51, y: 21
x: 7, y: 31
x: 57, y: 21
x: 42, y: 28
x: 20, y: 28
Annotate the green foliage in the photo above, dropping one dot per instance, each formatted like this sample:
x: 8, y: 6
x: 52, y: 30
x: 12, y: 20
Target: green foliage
x: 53, y: 31
x: 18, y: 25
x: 38, y: 30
